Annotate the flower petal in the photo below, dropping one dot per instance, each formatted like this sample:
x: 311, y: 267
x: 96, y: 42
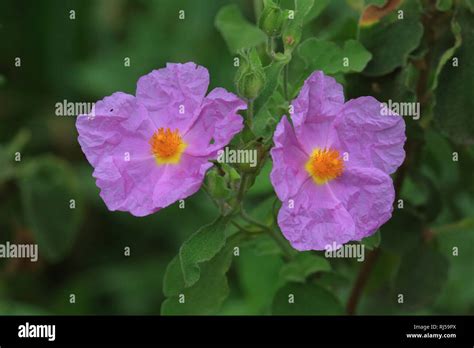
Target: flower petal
x: 114, y: 138
x: 370, y: 138
x: 216, y: 124
x: 173, y: 95
x: 368, y: 195
x: 180, y: 181
x: 288, y: 171
x: 317, y: 220
x: 315, y: 108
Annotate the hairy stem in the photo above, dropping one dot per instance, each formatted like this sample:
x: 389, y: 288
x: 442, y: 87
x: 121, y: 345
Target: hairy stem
x: 287, y: 251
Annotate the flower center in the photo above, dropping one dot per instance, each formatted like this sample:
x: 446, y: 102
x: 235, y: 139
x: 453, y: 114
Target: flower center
x: 167, y: 146
x: 324, y: 165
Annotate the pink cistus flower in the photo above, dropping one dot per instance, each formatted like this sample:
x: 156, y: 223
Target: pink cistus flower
x: 151, y: 150
x: 331, y: 167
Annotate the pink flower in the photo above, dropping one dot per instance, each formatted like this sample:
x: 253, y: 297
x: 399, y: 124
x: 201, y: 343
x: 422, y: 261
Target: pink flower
x: 151, y: 150
x: 331, y: 168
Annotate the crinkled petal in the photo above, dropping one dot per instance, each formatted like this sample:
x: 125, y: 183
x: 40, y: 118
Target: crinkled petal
x: 368, y: 195
x: 173, y: 95
x: 128, y: 185
x: 314, y: 110
x: 114, y: 138
x: 288, y: 171
x: 181, y: 180
x: 317, y: 220
x: 370, y: 138
x: 216, y: 124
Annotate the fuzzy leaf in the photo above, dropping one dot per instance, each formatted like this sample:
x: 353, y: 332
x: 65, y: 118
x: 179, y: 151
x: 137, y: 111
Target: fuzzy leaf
x: 237, y: 32
x: 200, y: 247
x: 330, y: 58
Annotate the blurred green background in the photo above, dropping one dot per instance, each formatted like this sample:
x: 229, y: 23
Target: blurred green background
x: 83, y: 60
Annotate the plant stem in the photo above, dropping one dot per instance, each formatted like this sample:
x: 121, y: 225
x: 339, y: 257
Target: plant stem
x: 250, y: 114
x: 362, y: 278
x: 271, y: 47
x: 242, y: 188
x: 287, y: 251
x: 285, y: 82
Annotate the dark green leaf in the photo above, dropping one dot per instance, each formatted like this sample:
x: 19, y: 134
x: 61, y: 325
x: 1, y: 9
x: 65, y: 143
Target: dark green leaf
x: 421, y: 277
x: 258, y: 277
x: 206, y: 295
x: 454, y: 109
x: 47, y: 187
x: 372, y: 241
x: 305, y: 299
x: 444, y: 5
x: 456, y: 242
x: 402, y: 232
x: 302, y: 266
x: 390, y: 40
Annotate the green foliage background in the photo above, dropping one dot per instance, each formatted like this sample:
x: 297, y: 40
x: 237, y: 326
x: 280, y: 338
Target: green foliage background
x: 82, y: 249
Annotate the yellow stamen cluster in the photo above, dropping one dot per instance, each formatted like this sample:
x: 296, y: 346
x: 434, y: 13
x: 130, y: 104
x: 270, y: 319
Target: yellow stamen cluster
x: 167, y: 146
x: 324, y: 165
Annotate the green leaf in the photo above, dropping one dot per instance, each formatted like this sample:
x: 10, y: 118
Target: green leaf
x: 217, y: 185
x: 8, y: 169
x: 421, y: 276
x: 258, y: 277
x: 357, y: 54
x: 200, y: 247
x: 47, y: 187
x: 173, y: 281
x: 293, y: 27
x: 305, y: 299
x: 448, y: 54
x: 402, y: 232
x: 470, y: 4
x: 444, y: 5
x: 316, y: 9
x: 391, y: 39
x: 302, y: 266
x: 237, y: 32
x: 454, y: 109
x: 372, y: 241
x: 206, y: 295
x: 378, y: 3
x: 456, y: 242
x: 330, y: 58
x: 303, y: 7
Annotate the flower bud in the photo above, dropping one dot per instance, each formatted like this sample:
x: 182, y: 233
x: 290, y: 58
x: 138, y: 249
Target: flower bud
x: 271, y: 19
x: 251, y: 83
